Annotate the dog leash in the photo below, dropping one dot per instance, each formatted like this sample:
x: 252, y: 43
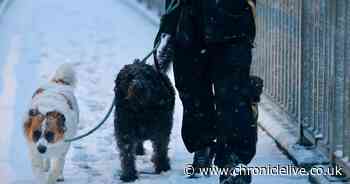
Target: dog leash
x: 98, y: 126
x: 144, y: 60
x: 172, y: 7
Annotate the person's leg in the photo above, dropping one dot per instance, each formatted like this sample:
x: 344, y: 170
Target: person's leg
x: 193, y: 82
x: 237, y: 129
x: 140, y: 150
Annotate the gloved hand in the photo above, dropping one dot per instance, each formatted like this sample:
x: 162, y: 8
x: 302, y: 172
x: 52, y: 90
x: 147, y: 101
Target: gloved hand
x: 165, y: 52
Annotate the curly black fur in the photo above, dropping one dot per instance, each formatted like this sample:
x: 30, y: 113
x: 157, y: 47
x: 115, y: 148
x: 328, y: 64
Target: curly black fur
x: 144, y: 111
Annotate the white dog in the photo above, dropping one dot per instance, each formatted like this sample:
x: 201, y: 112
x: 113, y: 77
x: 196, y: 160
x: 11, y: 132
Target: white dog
x: 53, y: 117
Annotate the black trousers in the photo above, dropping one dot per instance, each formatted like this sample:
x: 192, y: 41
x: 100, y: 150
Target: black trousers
x: 212, y: 84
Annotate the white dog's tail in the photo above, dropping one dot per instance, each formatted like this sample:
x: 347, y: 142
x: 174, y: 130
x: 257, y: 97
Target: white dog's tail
x: 65, y: 74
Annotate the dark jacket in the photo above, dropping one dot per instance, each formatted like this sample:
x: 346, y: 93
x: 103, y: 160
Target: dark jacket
x: 210, y: 22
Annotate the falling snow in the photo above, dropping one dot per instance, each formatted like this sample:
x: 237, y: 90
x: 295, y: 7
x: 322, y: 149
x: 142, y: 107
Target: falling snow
x: 98, y: 37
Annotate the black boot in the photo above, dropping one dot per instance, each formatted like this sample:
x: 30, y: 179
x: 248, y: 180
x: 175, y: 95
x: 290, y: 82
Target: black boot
x: 202, y: 159
x: 232, y: 162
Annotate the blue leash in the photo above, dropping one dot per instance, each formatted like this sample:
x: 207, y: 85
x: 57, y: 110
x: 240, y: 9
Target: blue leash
x: 173, y: 5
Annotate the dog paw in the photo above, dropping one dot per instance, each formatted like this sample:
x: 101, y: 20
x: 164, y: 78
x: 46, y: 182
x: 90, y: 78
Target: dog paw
x: 46, y: 165
x: 60, y: 179
x: 161, y: 164
x: 162, y: 168
x: 128, y: 178
x: 140, y: 151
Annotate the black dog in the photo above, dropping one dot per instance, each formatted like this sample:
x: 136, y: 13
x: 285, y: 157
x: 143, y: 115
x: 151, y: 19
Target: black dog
x: 144, y: 111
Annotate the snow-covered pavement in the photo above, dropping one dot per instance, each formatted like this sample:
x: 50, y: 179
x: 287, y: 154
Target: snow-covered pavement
x: 99, y: 37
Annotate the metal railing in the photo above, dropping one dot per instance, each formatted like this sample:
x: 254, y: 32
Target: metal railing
x: 302, y: 56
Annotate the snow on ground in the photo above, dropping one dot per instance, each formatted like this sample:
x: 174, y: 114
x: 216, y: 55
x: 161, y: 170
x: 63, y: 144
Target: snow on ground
x: 98, y: 37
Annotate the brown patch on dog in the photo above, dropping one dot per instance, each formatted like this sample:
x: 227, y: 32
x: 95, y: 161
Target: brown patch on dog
x: 131, y: 92
x: 37, y: 92
x: 69, y: 103
x: 56, y: 124
x: 31, y: 124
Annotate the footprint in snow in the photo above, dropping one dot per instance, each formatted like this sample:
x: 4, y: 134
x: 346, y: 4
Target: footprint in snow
x: 81, y: 155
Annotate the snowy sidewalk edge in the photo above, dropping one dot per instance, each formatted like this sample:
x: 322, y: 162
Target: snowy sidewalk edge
x: 4, y: 6
x: 283, y: 131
